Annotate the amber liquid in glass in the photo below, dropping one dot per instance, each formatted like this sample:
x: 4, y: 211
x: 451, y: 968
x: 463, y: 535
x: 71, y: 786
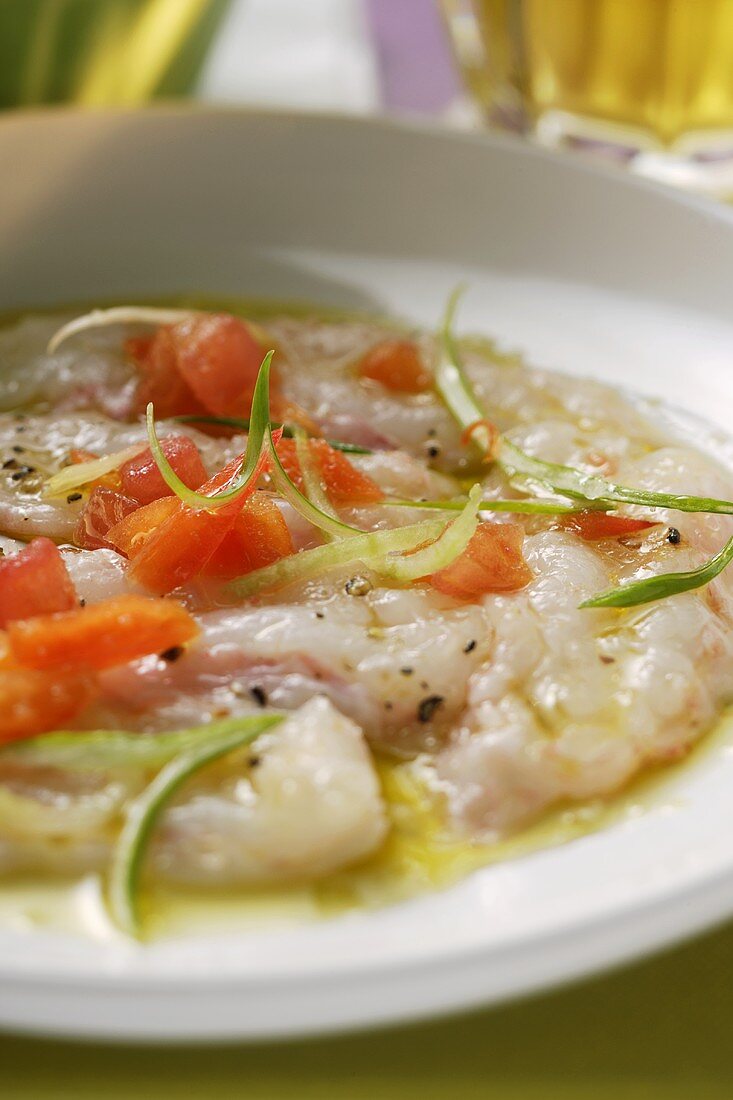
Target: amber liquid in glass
x: 651, y: 76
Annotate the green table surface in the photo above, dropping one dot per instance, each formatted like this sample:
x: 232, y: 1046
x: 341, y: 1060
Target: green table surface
x: 662, y: 1028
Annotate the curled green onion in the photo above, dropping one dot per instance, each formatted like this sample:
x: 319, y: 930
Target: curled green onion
x: 259, y: 421
x: 142, y: 814
x: 99, y: 750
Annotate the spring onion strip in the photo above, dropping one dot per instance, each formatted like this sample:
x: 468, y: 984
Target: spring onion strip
x: 327, y: 522
x: 118, y: 315
x: 142, y: 814
x: 314, y: 488
x: 445, y: 549
x: 666, y: 584
x: 373, y: 548
x: 242, y: 425
x: 251, y: 465
x: 592, y: 489
x: 81, y: 473
x: 452, y: 382
x: 112, y: 749
x: 521, y: 507
x: 533, y: 474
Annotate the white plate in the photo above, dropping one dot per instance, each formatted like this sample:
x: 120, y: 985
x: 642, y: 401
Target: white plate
x: 580, y: 268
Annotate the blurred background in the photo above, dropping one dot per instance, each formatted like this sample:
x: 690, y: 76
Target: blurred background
x: 646, y: 84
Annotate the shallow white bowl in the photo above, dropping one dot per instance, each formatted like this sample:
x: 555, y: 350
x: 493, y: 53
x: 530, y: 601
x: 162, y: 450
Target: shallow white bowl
x: 581, y: 269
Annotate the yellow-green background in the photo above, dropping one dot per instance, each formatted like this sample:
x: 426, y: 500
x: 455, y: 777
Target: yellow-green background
x: 660, y: 1030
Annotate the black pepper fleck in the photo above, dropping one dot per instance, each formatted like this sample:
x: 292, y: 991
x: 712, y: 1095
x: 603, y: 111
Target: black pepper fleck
x: 21, y: 473
x: 82, y: 602
x: 673, y: 536
x: 10, y: 464
x: 172, y: 654
x: 433, y: 450
x: 407, y: 671
x: 388, y: 706
x: 320, y: 615
x: 259, y: 696
x: 428, y: 707
x: 606, y: 660
x: 73, y: 497
x: 432, y: 432
x: 18, y: 449
x: 470, y: 646
x: 254, y: 761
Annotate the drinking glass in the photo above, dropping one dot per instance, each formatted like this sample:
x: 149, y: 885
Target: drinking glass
x: 646, y: 82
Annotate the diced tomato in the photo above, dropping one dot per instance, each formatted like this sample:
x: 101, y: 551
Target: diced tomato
x: 218, y: 358
x: 130, y: 533
x: 102, y: 636
x: 78, y: 454
x: 142, y: 480
x: 599, y: 525
x: 258, y: 537
x: 397, y: 365
x: 104, y: 509
x: 342, y: 481
x: 34, y: 582
x: 160, y: 380
x: 183, y: 543
x: 492, y: 562
x: 34, y: 702
x: 207, y: 362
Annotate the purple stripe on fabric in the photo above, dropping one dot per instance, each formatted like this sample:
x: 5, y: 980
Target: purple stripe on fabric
x: 413, y: 53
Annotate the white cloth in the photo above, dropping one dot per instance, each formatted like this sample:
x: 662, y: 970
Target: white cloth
x: 312, y: 54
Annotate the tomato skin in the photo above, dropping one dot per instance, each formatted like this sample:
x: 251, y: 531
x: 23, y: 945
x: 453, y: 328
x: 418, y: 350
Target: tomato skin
x: 397, y: 365
x: 110, y: 633
x: 34, y: 582
x: 142, y: 481
x: 258, y: 537
x: 33, y: 702
x: 492, y: 562
x: 104, y: 509
x: 344, y: 484
x: 591, y: 526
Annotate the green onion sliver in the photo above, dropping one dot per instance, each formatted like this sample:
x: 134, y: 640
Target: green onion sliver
x: 521, y: 507
x: 117, y: 315
x: 97, y: 750
x: 314, y: 489
x: 531, y: 473
x: 259, y: 421
x: 452, y: 382
x: 372, y: 548
x: 143, y: 812
x: 325, y: 521
x: 663, y: 585
x: 81, y: 473
x: 445, y: 549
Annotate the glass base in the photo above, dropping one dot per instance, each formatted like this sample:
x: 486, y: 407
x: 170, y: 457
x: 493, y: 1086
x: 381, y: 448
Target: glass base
x: 700, y: 162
